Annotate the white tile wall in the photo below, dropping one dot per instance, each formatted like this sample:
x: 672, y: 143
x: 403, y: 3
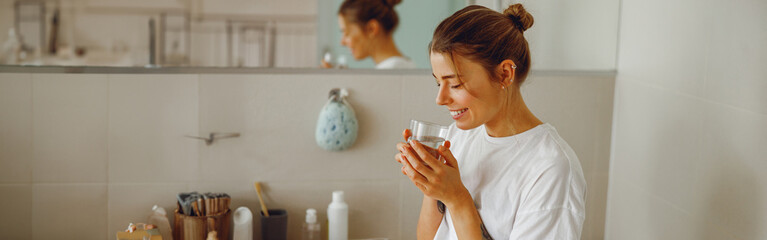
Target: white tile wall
x: 276, y: 115
x: 16, y: 128
x: 689, y: 125
x: 736, y: 58
x: 69, y: 211
x: 732, y: 189
x: 147, y: 159
x: 676, y: 61
x: 149, y: 117
x: 410, y: 208
x: 70, y: 128
x: 666, y: 132
x: 16, y: 206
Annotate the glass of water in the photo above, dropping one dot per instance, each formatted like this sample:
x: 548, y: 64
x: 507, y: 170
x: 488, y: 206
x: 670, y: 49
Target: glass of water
x: 431, y: 135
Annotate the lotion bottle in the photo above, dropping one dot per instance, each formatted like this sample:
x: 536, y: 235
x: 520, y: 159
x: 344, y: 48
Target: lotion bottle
x: 338, y: 218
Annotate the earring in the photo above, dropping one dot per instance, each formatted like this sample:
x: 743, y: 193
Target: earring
x: 514, y: 66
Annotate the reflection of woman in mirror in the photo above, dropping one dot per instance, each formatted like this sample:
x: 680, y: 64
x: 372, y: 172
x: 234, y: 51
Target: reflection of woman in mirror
x: 368, y: 27
x: 518, y: 178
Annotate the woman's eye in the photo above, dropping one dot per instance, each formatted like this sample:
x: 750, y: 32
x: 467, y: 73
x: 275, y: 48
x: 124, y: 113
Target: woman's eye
x: 456, y: 86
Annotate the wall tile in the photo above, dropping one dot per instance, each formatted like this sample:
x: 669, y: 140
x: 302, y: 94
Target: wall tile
x: 149, y: 117
x: 735, y: 70
x: 419, y: 95
x: 69, y: 210
x: 410, y: 208
x: 132, y: 203
x: 16, y: 128
x: 669, y: 50
x: 596, y: 204
x: 731, y: 192
x: 16, y: 206
x: 70, y: 128
x: 277, y: 115
x: 646, y: 216
x: 657, y: 135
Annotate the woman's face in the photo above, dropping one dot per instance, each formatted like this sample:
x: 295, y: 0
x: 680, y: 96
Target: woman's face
x: 472, y: 100
x: 354, y: 37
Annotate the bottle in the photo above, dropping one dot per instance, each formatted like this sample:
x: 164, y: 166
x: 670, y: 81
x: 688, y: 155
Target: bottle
x: 11, y: 49
x: 338, y: 218
x: 243, y: 224
x: 311, y: 229
x: 160, y: 219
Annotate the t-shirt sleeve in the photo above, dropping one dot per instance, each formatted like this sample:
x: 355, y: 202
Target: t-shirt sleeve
x: 558, y: 223
x: 549, y: 212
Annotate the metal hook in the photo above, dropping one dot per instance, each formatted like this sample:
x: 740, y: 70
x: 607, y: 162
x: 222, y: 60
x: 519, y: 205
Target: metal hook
x: 213, y: 136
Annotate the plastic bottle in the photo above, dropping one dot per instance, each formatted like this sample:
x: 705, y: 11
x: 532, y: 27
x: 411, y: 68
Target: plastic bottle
x: 11, y: 49
x: 243, y: 224
x: 160, y: 219
x: 338, y: 218
x: 311, y: 229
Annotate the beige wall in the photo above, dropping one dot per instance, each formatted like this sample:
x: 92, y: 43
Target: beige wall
x: 85, y: 154
x: 689, y: 132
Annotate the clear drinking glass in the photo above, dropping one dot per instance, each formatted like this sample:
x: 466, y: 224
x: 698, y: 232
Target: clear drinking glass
x: 431, y: 135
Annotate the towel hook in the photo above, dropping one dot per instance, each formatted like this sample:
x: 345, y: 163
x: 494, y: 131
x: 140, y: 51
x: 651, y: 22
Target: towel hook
x: 213, y: 136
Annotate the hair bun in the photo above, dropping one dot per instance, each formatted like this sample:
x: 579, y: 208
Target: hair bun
x: 391, y: 3
x: 520, y: 16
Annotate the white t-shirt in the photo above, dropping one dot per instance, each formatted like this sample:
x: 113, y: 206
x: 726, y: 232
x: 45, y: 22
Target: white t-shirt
x: 526, y: 186
x: 396, y: 63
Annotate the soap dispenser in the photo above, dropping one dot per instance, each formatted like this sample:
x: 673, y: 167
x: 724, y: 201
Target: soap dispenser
x: 311, y: 229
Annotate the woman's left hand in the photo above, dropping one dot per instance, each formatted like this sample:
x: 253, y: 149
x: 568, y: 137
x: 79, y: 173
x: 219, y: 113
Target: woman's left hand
x: 436, y: 178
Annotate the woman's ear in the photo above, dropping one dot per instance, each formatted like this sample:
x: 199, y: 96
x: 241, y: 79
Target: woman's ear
x: 372, y: 28
x: 508, y: 72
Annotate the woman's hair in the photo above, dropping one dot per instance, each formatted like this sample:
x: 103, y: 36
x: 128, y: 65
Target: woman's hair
x: 487, y: 37
x: 362, y: 11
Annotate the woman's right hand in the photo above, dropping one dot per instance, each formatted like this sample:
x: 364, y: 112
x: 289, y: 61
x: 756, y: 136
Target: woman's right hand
x: 405, y: 134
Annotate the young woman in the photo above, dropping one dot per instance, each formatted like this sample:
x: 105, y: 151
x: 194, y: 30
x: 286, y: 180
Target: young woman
x: 507, y: 175
x: 368, y: 27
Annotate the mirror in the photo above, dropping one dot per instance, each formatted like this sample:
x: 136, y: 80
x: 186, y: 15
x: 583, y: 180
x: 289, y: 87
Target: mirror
x: 566, y: 35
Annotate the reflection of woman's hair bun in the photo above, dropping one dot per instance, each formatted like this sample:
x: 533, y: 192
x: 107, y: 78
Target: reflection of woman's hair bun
x: 362, y: 11
x: 520, y: 16
x: 392, y: 3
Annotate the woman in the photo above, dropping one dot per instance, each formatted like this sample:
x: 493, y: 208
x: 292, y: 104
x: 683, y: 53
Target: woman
x: 518, y: 178
x: 368, y: 27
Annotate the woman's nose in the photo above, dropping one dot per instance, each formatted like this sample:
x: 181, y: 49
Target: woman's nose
x: 443, y: 96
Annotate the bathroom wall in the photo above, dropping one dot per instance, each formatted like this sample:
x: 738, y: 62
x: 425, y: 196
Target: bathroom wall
x: 83, y: 155
x: 689, y: 135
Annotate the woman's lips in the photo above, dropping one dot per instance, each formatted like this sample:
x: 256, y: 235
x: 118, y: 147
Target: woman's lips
x: 458, y: 113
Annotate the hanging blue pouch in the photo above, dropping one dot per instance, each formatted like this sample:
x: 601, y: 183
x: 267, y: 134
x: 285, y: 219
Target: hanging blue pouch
x: 337, y: 124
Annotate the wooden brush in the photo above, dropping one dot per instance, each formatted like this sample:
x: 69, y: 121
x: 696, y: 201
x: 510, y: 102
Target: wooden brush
x: 261, y: 199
